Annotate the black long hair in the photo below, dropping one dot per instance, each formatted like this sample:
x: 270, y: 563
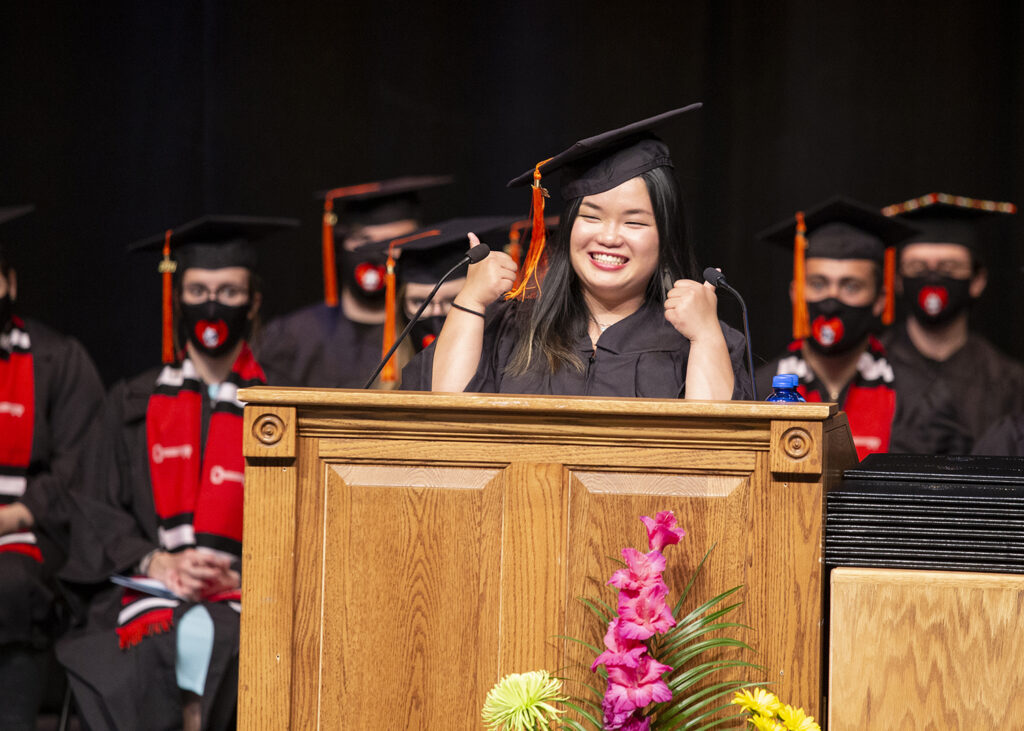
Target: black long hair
x: 549, y: 329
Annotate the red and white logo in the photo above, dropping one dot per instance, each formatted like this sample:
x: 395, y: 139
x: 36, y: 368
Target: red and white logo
x: 933, y: 299
x: 370, y: 277
x: 211, y: 334
x: 827, y: 332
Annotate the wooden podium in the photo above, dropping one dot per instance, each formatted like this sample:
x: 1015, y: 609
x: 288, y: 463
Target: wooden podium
x: 403, y: 551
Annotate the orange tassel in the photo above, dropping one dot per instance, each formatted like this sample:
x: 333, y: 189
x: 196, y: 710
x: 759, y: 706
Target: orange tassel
x: 327, y: 241
x: 888, y: 280
x: 801, y: 320
x: 538, y: 238
x: 167, y: 268
x: 389, y: 373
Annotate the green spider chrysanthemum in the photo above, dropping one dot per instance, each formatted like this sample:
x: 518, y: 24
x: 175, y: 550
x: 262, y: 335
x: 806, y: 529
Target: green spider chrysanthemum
x: 522, y: 702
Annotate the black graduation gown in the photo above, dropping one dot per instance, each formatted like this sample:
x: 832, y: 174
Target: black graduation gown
x: 944, y: 407
x: 641, y: 355
x: 318, y: 347
x: 113, y: 527
x: 68, y: 391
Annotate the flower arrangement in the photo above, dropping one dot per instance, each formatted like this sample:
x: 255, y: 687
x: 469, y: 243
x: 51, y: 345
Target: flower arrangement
x: 654, y: 660
x: 767, y: 713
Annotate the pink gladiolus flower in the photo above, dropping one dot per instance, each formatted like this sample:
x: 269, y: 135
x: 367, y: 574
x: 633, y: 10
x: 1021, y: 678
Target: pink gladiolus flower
x: 661, y: 530
x: 638, y: 687
x: 621, y: 651
x: 646, y: 614
x: 642, y: 569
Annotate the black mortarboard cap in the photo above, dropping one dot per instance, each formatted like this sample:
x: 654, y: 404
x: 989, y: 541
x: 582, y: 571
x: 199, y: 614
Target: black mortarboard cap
x: 215, y: 241
x: 9, y: 213
x: 384, y: 201
x: 600, y: 163
x: 842, y: 228
x: 942, y: 218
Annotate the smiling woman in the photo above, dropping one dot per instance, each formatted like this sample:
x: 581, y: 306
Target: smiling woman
x: 618, y: 313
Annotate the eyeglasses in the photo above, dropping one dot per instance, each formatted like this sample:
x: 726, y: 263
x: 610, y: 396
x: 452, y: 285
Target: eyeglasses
x: 227, y: 294
x: 944, y: 268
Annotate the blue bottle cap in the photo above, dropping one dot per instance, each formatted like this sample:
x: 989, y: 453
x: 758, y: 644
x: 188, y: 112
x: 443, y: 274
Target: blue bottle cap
x: 785, y: 380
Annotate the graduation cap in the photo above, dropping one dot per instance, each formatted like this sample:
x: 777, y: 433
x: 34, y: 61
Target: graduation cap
x: 209, y: 242
x: 594, y: 165
x: 942, y: 218
x: 368, y: 204
x: 839, y: 228
x: 423, y: 257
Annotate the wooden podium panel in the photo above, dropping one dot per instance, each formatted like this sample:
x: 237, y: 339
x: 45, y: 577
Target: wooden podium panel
x: 925, y: 650
x: 403, y: 551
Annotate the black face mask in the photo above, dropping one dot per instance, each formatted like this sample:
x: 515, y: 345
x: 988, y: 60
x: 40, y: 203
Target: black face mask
x: 935, y: 300
x: 836, y: 328
x: 363, y: 276
x: 425, y: 331
x: 214, y: 328
x: 6, y: 310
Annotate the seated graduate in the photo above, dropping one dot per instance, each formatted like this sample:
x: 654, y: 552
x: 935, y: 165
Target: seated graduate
x: 953, y: 384
x: 415, y: 264
x: 336, y: 343
x: 159, y: 496
x: 49, y: 392
x: 618, y: 312
x: 841, y: 290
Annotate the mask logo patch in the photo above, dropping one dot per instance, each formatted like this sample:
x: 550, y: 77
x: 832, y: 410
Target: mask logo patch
x: 211, y: 334
x: 933, y: 299
x: 827, y: 332
x: 370, y: 277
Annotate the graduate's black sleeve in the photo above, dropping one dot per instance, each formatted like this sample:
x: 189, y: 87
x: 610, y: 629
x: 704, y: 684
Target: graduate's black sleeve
x: 111, y: 496
x: 68, y: 393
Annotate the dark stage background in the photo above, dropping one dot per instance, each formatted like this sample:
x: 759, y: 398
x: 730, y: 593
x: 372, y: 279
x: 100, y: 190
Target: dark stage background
x: 120, y: 119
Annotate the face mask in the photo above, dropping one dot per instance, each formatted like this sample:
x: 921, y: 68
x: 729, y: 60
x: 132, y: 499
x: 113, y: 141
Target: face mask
x: 6, y: 309
x: 363, y: 275
x: 425, y: 331
x: 836, y: 327
x: 214, y: 328
x: 936, y: 300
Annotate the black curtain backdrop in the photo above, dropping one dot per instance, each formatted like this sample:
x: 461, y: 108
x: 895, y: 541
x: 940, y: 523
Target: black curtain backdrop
x: 120, y: 119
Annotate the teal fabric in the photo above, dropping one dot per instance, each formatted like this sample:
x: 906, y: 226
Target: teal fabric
x: 195, y: 647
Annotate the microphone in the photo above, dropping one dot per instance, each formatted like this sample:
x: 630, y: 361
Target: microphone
x: 474, y: 255
x: 715, y: 278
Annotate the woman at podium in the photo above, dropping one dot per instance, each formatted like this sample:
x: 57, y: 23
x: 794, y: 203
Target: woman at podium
x: 619, y: 311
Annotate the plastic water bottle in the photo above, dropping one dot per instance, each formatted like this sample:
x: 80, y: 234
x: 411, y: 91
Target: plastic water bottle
x: 784, y: 388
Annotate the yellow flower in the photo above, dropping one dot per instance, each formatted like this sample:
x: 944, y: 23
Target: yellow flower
x: 796, y: 720
x: 760, y: 701
x: 766, y: 723
x: 522, y: 702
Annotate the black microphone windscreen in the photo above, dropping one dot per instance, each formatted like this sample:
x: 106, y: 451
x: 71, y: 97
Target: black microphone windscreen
x: 713, y: 276
x: 478, y: 253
